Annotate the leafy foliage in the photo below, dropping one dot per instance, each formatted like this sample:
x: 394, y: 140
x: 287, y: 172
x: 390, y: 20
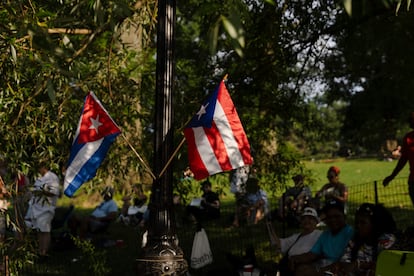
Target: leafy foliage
x: 96, y: 259
x: 52, y: 54
x: 371, y: 72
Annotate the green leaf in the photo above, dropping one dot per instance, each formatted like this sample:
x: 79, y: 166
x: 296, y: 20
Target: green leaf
x: 348, y: 7
x: 51, y: 90
x: 14, y: 55
x: 212, y: 37
x: 397, y: 8
x: 234, y: 29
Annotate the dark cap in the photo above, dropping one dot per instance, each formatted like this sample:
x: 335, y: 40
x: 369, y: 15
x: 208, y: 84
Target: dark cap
x: 332, y: 203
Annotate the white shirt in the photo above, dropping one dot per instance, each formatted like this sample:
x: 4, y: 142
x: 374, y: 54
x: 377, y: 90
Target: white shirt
x: 302, y: 245
x: 41, y: 203
x: 105, y: 208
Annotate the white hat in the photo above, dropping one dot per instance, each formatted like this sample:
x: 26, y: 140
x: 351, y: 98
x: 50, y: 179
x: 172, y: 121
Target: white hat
x: 308, y: 211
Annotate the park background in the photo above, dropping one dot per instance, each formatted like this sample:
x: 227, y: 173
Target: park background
x: 360, y: 176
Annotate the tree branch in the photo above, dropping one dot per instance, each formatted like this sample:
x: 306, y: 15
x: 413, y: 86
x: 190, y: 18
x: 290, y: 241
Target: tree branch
x: 69, y: 31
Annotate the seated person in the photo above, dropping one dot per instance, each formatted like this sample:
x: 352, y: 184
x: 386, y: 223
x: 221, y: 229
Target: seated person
x: 295, y: 198
x: 374, y: 232
x: 297, y: 243
x: 333, y: 190
x: 100, y: 218
x: 257, y: 199
x: 330, y: 246
x: 209, y: 207
x: 134, y: 214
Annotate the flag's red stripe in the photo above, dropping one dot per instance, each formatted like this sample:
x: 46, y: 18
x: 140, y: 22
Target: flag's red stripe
x: 218, y: 147
x: 235, y: 123
x: 196, y: 164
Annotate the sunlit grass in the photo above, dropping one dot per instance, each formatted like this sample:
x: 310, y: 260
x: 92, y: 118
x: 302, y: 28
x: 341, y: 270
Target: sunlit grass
x: 354, y: 171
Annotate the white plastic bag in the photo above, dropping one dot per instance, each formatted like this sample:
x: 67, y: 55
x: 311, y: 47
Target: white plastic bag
x: 201, y: 253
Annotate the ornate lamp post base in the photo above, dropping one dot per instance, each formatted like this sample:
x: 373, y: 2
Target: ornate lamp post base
x: 163, y: 258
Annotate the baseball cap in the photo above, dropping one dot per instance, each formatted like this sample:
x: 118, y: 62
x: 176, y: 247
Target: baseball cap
x: 308, y: 211
x: 330, y: 204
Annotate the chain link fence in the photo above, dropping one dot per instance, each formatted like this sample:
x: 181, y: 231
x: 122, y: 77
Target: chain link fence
x: 394, y: 197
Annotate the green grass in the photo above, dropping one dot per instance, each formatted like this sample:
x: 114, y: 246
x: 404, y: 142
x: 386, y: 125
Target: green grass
x: 354, y: 171
x: 122, y: 260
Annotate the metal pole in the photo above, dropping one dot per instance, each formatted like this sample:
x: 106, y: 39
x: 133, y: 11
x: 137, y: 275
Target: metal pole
x: 162, y: 255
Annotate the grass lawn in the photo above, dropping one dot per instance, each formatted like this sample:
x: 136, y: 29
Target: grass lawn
x: 121, y: 260
x: 354, y: 171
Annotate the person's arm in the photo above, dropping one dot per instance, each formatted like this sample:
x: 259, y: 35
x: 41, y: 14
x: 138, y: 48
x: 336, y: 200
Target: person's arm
x: 344, y: 197
x: 320, y: 192
x: 210, y: 200
x: 400, y: 165
x: 50, y: 189
x: 48, y: 193
x: 213, y: 204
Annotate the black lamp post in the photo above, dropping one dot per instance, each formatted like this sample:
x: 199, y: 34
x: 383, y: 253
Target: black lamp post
x: 162, y: 255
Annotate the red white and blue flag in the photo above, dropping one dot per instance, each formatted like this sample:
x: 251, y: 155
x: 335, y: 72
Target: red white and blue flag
x: 215, y: 137
x: 95, y: 133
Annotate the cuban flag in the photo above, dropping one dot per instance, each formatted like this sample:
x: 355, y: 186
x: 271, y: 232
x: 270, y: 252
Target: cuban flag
x: 95, y: 133
x: 215, y: 137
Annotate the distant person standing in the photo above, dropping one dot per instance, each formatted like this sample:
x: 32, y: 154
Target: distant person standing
x: 258, y: 201
x: 42, y: 206
x: 407, y: 155
x: 238, y: 179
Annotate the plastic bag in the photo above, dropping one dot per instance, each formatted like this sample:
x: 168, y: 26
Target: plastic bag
x: 201, y: 253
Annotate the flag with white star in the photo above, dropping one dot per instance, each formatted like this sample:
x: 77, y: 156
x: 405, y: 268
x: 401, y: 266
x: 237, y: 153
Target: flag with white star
x: 215, y: 137
x: 95, y: 133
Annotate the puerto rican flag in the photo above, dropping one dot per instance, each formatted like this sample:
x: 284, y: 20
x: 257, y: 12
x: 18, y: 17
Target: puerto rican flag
x: 95, y: 133
x: 215, y: 137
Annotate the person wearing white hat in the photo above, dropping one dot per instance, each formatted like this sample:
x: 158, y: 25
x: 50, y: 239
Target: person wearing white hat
x: 330, y: 246
x: 298, y: 243
x: 302, y: 242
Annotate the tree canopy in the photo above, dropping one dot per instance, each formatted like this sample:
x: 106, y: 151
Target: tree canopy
x: 53, y: 53
x: 307, y: 77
